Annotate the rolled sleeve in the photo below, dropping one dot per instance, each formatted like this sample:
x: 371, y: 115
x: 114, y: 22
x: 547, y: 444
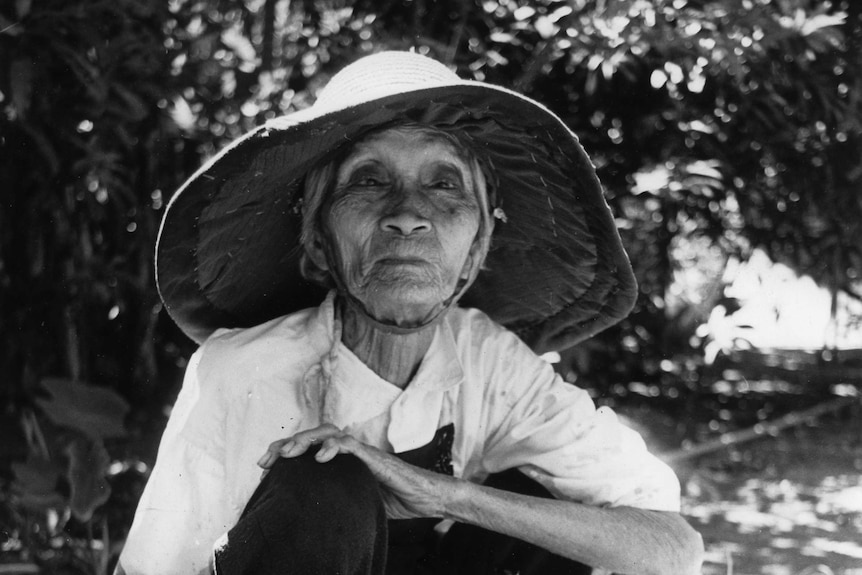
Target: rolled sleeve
x: 553, y: 432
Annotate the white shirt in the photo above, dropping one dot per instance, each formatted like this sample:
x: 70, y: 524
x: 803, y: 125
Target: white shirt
x: 245, y: 388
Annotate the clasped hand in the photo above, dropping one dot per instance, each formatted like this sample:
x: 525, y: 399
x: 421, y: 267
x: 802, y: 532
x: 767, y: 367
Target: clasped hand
x: 408, y: 491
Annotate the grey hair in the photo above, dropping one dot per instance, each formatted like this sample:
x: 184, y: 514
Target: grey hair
x: 320, y: 182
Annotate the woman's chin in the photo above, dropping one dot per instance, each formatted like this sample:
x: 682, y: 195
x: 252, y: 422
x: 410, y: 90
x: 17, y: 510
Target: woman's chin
x: 404, y: 307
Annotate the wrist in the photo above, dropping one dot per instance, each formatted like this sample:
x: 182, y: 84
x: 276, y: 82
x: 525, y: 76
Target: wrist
x: 455, y: 497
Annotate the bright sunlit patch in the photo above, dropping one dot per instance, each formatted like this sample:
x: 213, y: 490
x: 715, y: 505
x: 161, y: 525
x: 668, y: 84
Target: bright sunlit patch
x: 121, y: 466
x: 820, y: 546
x: 182, y: 115
x: 781, y: 310
x: 842, y: 494
x: 651, y: 181
x: 845, y: 390
x: 696, y: 81
x: 784, y: 543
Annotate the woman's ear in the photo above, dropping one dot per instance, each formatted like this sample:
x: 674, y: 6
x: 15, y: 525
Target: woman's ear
x: 316, y: 250
x: 479, y: 250
x: 475, y: 259
x: 468, y: 267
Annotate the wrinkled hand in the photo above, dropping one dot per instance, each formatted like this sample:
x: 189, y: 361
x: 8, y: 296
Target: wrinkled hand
x: 408, y: 491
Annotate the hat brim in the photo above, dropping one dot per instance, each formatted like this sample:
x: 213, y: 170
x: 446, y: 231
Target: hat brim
x: 228, y: 249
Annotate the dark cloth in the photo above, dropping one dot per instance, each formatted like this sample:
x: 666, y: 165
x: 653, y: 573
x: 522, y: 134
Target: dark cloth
x: 307, y: 518
x: 413, y: 541
x: 313, y: 518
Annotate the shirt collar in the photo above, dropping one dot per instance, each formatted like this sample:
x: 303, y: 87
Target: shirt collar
x: 441, y: 367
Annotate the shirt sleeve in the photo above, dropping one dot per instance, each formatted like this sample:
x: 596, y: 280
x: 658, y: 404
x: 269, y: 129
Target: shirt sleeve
x: 552, y: 431
x: 182, y: 512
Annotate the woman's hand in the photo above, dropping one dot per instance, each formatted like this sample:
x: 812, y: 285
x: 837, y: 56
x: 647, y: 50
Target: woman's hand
x: 408, y: 491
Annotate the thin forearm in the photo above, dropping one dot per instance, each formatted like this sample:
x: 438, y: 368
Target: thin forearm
x: 621, y: 540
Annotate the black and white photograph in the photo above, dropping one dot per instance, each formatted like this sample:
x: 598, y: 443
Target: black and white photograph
x: 431, y: 287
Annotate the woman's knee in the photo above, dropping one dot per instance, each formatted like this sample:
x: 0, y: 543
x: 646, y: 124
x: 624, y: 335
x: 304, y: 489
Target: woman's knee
x: 310, y: 517
x: 343, y: 481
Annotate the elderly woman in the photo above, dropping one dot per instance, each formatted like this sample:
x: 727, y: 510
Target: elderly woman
x: 319, y: 261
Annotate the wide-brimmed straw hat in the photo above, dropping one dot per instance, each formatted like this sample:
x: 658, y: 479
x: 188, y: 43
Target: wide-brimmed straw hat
x: 228, y: 249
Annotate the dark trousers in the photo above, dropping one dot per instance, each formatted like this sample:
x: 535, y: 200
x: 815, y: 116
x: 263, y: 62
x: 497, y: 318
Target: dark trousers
x: 328, y: 518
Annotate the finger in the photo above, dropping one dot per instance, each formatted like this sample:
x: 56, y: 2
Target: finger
x: 305, y: 439
x: 330, y: 448
x: 272, y: 453
x: 297, y: 444
x: 290, y: 449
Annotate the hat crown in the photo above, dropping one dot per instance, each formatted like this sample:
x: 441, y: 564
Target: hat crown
x: 383, y: 74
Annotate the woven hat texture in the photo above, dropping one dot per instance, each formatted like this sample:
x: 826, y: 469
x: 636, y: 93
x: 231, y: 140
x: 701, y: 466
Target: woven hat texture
x: 228, y: 248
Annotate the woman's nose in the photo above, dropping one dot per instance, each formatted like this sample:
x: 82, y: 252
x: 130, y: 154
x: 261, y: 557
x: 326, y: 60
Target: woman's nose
x: 406, y: 217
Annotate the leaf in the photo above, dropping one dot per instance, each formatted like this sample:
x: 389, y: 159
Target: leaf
x: 524, y: 12
x: 86, y: 73
x: 88, y: 465
x: 95, y: 411
x: 704, y: 168
x: 36, y: 483
x: 501, y: 37
x: 134, y: 106
x: 22, y: 7
x: 9, y: 27
x: 545, y: 27
x: 21, y: 73
x: 51, y: 164
x: 821, y: 21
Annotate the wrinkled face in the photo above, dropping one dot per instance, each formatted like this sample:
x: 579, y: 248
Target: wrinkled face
x: 403, y: 217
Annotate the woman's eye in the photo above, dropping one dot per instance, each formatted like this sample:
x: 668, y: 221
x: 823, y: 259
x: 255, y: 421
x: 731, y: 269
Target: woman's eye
x: 368, y: 182
x: 445, y: 185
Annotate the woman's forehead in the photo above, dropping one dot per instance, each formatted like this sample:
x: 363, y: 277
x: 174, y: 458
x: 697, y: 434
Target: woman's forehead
x: 408, y: 145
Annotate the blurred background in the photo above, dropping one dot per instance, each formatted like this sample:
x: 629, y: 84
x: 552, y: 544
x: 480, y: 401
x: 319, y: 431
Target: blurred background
x: 727, y: 134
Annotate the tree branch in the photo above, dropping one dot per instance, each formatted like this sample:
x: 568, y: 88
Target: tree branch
x: 759, y: 430
x: 266, y: 57
x: 459, y: 33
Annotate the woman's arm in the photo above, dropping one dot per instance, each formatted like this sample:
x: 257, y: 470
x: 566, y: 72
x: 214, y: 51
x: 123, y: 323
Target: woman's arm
x: 621, y: 539
x: 618, y: 539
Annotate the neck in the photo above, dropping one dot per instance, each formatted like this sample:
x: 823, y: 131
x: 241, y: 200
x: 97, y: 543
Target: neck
x: 394, y: 355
